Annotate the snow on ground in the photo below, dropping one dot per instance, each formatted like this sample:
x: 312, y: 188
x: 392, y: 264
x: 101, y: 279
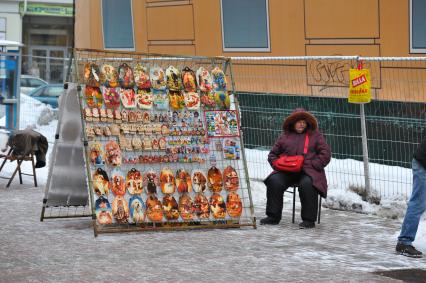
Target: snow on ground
x: 392, y: 183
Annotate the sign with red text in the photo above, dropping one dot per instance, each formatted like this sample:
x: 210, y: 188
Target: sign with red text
x: 359, y: 86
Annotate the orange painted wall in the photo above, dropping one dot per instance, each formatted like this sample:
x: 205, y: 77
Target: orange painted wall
x: 297, y: 28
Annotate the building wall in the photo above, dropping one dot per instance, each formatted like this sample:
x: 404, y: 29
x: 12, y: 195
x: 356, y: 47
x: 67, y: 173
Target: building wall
x: 296, y: 28
x: 10, y: 11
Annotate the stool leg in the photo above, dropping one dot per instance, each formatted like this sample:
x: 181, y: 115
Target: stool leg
x: 34, y: 171
x: 13, y: 175
x: 294, y: 204
x: 5, y: 159
x: 319, y: 209
x: 20, y: 173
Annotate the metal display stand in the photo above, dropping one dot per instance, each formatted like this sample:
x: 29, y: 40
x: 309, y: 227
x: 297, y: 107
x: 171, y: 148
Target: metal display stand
x: 113, y: 211
x: 66, y: 194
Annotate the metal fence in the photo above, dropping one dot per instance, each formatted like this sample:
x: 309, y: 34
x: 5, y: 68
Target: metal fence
x: 269, y: 88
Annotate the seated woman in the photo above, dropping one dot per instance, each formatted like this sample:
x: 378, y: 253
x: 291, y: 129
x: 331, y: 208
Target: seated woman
x: 311, y: 179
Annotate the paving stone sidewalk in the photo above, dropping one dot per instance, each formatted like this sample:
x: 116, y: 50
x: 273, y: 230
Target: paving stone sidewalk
x: 345, y: 247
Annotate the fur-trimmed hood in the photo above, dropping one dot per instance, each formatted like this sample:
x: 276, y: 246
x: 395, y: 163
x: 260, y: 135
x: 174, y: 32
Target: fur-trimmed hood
x: 300, y: 114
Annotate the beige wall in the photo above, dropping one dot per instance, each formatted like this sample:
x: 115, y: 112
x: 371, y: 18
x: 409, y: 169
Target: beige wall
x: 297, y: 28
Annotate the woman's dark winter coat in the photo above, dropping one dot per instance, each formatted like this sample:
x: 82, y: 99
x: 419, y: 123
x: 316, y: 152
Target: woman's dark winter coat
x: 317, y: 157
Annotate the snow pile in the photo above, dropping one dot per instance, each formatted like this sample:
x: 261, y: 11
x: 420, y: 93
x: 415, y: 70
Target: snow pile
x: 38, y: 116
x: 47, y: 115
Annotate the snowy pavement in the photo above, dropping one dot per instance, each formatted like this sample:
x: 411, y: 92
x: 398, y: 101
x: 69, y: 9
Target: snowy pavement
x: 345, y: 247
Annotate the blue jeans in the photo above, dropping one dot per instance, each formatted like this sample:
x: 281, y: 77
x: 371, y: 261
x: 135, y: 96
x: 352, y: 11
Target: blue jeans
x: 416, y: 205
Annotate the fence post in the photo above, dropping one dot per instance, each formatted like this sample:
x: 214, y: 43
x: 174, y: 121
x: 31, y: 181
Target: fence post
x: 364, y: 145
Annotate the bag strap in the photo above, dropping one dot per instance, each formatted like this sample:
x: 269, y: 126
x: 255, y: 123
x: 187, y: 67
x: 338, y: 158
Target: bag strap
x: 305, y: 148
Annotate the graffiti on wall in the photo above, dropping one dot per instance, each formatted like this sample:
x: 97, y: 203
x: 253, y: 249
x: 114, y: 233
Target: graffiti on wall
x: 335, y: 73
x: 328, y: 73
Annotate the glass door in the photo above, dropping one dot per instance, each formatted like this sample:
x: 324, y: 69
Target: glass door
x: 48, y: 63
x: 57, y: 66
x: 38, y: 64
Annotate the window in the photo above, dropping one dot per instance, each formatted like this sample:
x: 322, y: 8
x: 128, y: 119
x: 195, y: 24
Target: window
x: 53, y: 91
x: 245, y: 25
x: 35, y: 82
x: 418, y: 26
x: 117, y: 24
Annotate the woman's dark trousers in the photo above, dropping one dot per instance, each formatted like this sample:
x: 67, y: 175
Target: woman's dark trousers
x: 277, y: 183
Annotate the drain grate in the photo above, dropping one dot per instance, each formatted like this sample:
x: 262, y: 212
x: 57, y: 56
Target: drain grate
x: 407, y: 275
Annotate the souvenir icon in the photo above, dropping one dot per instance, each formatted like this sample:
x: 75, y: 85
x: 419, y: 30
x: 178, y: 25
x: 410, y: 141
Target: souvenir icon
x: 189, y: 80
x: 97, y: 156
x: 158, y: 78
x: 230, y: 179
x: 103, y: 211
x: 174, y: 81
x: 141, y: 77
x: 234, y: 206
x: 167, y: 181
x: 219, y: 79
x: 162, y: 143
x: 146, y: 118
x: 136, y: 143
x: 192, y: 100
x: 186, y: 207
x: 111, y: 97
x: 215, y: 180
x: 154, y: 208
x: 217, y: 206
x: 137, y: 209
x: 204, y: 80
x: 150, y: 182
x: 134, y: 182
x: 120, y: 209
x: 208, y: 101
x: 222, y: 100
x: 183, y: 181
x: 161, y: 99
x: 154, y: 144
x: 109, y: 76
x: 147, y: 143
x: 170, y: 207
x: 93, y: 97
x: 113, y: 153
x: 128, y: 97
x: 100, y: 182
x: 222, y: 123
x: 201, y: 206
x: 118, y: 186
x: 145, y: 99
x: 199, y: 181
x: 231, y: 149
x: 125, y: 76
x: 176, y: 100
x: 91, y: 75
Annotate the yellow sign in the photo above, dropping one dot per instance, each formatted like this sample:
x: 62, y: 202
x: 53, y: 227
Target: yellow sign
x: 359, y: 86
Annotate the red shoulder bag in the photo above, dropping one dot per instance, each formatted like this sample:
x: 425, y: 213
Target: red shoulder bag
x: 292, y: 163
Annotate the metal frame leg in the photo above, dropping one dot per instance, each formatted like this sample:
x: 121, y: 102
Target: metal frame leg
x: 294, y: 204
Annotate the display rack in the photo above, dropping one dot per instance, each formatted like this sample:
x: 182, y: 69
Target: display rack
x: 162, y: 139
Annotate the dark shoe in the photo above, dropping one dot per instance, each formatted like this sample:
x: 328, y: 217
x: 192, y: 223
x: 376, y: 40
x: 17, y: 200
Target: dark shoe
x: 269, y: 221
x: 306, y: 225
x: 407, y: 250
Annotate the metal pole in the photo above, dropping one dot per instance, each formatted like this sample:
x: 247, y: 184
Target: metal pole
x: 365, y: 151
